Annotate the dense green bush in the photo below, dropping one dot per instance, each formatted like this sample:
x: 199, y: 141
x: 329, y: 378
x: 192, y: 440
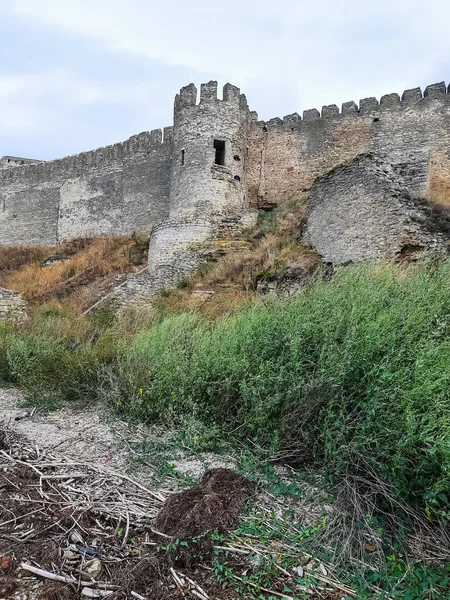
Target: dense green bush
x: 355, y: 372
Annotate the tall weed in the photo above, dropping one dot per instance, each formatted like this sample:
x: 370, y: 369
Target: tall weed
x: 353, y: 373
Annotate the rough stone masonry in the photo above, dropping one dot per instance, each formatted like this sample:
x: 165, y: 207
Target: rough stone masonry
x: 217, y: 162
x: 363, y: 210
x: 12, y: 307
x: 218, y: 158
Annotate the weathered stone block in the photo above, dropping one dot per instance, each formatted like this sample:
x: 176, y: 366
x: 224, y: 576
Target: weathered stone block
x: 349, y: 107
x: 311, y: 114
x: 412, y: 96
x: 368, y: 104
x: 389, y: 100
x: 208, y: 91
x: 330, y: 111
x: 435, y: 91
x: 292, y: 120
x: 362, y: 210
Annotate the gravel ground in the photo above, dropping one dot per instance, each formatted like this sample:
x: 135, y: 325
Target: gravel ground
x: 85, y: 435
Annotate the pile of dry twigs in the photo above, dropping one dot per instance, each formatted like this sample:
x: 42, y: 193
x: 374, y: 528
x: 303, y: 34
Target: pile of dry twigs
x: 76, y: 529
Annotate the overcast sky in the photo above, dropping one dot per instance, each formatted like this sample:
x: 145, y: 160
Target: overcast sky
x: 79, y: 74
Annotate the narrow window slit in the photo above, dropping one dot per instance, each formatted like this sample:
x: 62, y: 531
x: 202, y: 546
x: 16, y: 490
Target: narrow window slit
x: 219, y: 147
x: 182, y: 157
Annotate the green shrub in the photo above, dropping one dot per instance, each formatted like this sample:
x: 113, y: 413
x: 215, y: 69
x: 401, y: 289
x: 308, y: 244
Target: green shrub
x: 353, y: 373
x: 6, y: 331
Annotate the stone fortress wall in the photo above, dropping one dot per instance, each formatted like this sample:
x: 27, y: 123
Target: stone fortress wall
x: 198, y: 183
x: 412, y: 133
x: 118, y: 189
x: 208, y: 192
x: 169, y: 175
x: 363, y: 210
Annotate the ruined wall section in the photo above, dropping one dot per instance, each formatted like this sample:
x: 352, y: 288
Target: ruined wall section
x: 363, y: 210
x: 287, y: 155
x: 12, y: 306
x: 119, y: 189
x: 199, y: 186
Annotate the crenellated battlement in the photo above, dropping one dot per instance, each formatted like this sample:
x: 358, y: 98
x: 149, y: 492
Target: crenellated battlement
x: 218, y: 157
x: 188, y: 96
x: 410, y: 99
x: 411, y: 130
x: 104, y: 157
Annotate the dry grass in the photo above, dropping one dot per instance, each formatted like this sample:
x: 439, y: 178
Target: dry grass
x: 274, y: 252
x: 72, y: 274
x: 81, y: 270
x: 214, y: 504
x: 221, y: 301
x: 13, y: 258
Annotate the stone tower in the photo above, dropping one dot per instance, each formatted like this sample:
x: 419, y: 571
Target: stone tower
x: 208, y: 180
x: 209, y: 152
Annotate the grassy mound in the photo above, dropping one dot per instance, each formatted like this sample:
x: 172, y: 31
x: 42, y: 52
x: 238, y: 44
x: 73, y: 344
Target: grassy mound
x: 352, y: 375
x: 271, y: 251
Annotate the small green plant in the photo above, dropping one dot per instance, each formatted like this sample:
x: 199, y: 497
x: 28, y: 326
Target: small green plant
x: 173, y: 546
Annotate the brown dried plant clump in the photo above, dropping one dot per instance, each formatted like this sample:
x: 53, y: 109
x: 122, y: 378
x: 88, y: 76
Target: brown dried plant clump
x: 215, y: 503
x: 73, y: 273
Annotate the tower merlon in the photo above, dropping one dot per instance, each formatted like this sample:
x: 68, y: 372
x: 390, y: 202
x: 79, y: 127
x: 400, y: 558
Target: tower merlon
x: 208, y: 91
x: 412, y: 96
x: 330, y: 110
x: 208, y: 94
x: 311, y: 114
x: 368, y: 104
x: 186, y: 97
x: 156, y: 136
x: 349, y: 107
x: 168, y: 134
x: 275, y: 122
x: 231, y: 92
x: 435, y: 91
x: 243, y: 104
x: 292, y: 119
x: 390, y: 100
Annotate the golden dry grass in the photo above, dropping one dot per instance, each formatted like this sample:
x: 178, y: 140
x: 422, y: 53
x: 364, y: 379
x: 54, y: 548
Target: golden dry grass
x: 80, y: 271
x: 83, y: 269
x: 275, y: 249
x: 275, y: 252
x: 13, y: 258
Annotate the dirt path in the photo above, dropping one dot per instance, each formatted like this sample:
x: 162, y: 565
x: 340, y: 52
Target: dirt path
x: 85, y: 435
x: 93, y: 435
